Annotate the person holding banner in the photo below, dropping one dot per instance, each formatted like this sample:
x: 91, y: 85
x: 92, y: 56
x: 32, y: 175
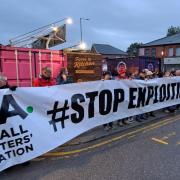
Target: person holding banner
x: 122, y: 76
x: 149, y: 75
x: 4, y: 84
x: 141, y: 117
x: 107, y: 76
x: 63, y: 77
x: 177, y: 73
x: 170, y: 109
x: 131, y: 76
x: 45, y: 78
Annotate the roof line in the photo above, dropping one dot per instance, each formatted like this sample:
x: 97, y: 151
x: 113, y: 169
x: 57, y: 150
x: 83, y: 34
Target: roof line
x: 159, y: 45
x: 95, y: 48
x: 159, y: 39
x: 94, y: 45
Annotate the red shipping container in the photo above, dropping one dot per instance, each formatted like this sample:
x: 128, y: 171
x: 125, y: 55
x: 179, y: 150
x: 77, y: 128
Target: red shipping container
x: 22, y: 65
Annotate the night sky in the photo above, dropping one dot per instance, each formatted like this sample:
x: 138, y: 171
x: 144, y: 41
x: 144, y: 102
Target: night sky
x: 115, y: 22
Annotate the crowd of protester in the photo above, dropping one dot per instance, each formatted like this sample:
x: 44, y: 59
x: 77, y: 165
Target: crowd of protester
x: 143, y: 75
x: 45, y: 79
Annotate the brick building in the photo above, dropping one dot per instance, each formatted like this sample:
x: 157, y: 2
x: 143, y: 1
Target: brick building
x: 167, y: 48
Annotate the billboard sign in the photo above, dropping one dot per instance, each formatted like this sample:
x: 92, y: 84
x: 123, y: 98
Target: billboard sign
x: 54, y: 38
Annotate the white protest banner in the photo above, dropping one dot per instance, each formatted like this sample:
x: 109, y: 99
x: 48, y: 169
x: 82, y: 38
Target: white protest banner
x: 34, y: 121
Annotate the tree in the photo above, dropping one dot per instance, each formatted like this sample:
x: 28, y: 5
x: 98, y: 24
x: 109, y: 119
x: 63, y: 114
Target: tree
x: 133, y: 49
x: 172, y: 30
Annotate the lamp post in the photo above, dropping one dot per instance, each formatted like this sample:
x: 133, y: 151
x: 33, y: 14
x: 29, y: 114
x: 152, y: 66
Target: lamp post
x: 81, y: 31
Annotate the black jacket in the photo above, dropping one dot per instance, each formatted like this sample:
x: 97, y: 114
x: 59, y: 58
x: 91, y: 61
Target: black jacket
x: 4, y: 87
x: 12, y: 88
x: 60, y: 81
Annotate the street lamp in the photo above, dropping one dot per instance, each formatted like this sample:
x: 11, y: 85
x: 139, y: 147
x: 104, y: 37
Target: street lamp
x: 81, y: 31
x: 54, y: 28
x: 83, y: 45
x: 69, y: 20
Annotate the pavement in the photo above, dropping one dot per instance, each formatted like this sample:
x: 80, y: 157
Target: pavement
x: 140, y: 151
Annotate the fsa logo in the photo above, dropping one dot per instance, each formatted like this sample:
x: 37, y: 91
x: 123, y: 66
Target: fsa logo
x: 5, y: 113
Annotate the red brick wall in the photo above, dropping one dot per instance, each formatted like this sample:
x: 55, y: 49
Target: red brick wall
x: 165, y: 49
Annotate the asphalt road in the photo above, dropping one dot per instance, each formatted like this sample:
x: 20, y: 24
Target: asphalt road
x: 149, y: 152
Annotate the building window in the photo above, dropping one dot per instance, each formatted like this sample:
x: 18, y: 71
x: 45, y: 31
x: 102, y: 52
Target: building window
x: 147, y: 52
x: 153, y: 52
x: 170, y: 52
x: 141, y: 52
x: 178, y: 51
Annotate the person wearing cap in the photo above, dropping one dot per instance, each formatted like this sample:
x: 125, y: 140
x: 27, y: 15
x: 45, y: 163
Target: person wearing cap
x: 149, y: 75
x: 45, y: 78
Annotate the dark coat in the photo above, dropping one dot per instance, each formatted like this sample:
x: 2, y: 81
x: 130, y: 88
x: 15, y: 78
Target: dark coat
x: 5, y: 87
x: 60, y: 81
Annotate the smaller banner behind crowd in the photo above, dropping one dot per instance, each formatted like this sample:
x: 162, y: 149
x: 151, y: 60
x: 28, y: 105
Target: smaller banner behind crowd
x: 34, y: 121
